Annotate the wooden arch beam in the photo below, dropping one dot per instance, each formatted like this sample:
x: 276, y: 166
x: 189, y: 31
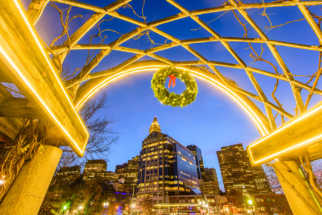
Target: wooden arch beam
x: 89, y: 89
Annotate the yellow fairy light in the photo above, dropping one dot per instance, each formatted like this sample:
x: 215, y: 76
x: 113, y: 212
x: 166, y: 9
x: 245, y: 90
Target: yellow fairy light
x: 295, y: 125
x: 25, y: 79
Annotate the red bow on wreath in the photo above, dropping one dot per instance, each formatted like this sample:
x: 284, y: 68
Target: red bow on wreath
x: 173, y: 80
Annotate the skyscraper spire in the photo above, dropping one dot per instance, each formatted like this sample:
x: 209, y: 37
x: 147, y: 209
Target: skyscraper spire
x: 155, y: 126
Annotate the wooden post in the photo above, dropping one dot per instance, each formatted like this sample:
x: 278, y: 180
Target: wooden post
x: 27, y: 192
x: 298, y: 194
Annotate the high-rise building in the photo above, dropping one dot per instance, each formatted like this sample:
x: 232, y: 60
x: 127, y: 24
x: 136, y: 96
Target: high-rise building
x: 95, y: 166
x: 211, y: 175
x: 209, y: 185
x: 96, y: 170
x: 129, y: 170
x: 166, y: 168
x: 199, y: 161
x: 69, y: 173
x: 237, y: 172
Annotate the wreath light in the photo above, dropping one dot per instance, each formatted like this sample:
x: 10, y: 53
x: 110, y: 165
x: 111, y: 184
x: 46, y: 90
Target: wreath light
x: 164, y: 96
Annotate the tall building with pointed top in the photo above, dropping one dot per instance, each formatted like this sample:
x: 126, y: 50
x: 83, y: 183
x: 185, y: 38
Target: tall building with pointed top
x: 166, y: 168
x: 155, y: 126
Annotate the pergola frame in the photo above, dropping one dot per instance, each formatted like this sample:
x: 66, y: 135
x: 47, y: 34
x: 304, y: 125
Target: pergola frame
x: 282, y: 139
x: 86, y: 75
x: 36, y: 8
x: 116, y: 45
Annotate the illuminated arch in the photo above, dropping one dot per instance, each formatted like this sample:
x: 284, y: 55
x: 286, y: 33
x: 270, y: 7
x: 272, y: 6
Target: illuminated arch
x: 87, y: 90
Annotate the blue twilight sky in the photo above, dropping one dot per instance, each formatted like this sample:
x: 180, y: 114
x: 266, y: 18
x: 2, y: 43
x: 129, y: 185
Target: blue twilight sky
x: 213, y: 120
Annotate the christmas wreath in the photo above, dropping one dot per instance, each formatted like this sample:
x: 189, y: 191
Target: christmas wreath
x: 167, y: 98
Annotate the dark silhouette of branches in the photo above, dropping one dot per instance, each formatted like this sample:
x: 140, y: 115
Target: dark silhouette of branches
x: 317, y: 74
x: 256, y: 57
x: 102, y: 135
x: 272, y: 179
x: 65, y: 22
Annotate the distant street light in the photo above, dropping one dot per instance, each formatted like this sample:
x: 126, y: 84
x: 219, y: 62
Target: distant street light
x: 250, y: 202
x: 204, y: 205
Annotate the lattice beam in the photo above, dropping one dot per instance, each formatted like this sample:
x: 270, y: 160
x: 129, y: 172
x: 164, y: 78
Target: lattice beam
x: 35, y: 9
x: 287, y: 73
x: 295, y: 85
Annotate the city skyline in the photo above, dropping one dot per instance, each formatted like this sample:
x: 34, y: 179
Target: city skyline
x: 208, y: 156
x: 213, y: 120
x: 231, y: 86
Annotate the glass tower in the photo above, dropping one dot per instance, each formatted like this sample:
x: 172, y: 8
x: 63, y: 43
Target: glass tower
x: 166, y: 168
x: 199, y: 161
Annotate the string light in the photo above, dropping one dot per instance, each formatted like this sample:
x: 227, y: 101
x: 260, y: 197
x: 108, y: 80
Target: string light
x: 297, y: 120
x: 240, y: 101
x: 36, y: 93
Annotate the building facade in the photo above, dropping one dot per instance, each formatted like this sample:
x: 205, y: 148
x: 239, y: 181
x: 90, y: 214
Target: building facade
x: 166, y: 168
x: 128, y: 171
x: 270, y: 204
x: 194, y: 204
x: 96, y: 170
x: 209, y: 185
x: 68, y: 173
x: 210, y: 175
x: 238, y: 174
x: 199, y: 161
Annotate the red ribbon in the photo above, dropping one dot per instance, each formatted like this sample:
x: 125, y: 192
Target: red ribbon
x: 173, y: 80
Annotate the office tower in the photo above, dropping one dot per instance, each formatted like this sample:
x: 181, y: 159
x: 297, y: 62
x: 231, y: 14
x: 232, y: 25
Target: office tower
x: 95, y: 166
x: 211, y: 175
x: 199, y: 161
x: 166, y: 168
x: 129, y: 170
x: 68, y: 173
x: 96, y: 170
x: 209, y: 185
x: 237, y: 172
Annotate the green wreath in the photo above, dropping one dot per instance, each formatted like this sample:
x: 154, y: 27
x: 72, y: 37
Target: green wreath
x: 164, y: 96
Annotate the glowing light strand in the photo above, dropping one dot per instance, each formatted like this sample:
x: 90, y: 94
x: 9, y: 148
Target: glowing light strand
x: 33, y: 90
x: 296, y: 120
x: 263, y: 130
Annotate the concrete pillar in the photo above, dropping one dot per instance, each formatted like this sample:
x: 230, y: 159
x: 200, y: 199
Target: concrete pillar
x: 300, y: 197
x: 27, y: 192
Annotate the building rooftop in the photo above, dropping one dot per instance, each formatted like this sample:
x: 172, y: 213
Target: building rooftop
x: 155, y: 126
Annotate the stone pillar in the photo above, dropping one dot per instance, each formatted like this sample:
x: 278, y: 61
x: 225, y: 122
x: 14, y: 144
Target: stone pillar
x: 27, y: 192
x: 300, y: 198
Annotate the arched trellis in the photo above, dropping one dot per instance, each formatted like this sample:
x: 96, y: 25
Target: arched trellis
x: 89, y: 89
x: 265, y: 124
x: 61, y: 50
